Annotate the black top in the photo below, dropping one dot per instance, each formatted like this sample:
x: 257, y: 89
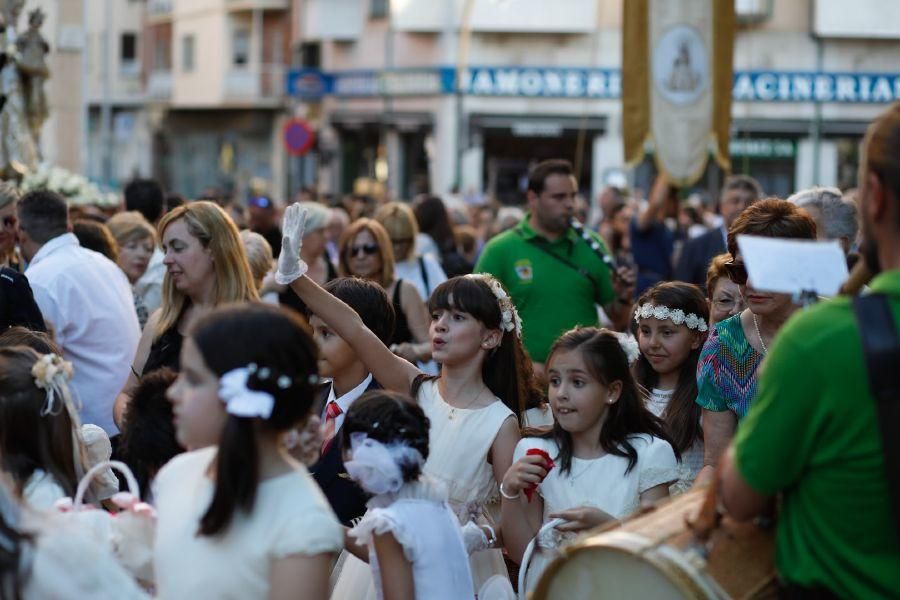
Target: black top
x: 17, y: 305
x: 165, y: 351
x: 402, y: 332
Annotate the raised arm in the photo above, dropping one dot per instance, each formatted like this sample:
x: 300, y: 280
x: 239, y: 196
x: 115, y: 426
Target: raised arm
x: 391, y: 371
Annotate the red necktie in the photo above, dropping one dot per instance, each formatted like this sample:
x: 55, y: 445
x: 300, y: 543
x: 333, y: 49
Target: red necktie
x: 331, y: 413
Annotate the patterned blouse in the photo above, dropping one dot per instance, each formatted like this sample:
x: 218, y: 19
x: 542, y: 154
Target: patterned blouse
x: 727, y: 369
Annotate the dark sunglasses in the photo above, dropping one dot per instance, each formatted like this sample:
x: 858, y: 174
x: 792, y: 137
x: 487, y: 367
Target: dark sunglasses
x: 737, y: 272
x: 366, y: 249
x: 9, y: 221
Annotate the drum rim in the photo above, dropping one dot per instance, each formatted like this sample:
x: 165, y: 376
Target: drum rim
x: 630, y: 544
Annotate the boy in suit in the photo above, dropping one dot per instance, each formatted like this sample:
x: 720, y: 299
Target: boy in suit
x: 349, y: 380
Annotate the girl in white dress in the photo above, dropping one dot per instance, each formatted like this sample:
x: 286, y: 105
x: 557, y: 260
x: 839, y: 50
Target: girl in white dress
x: 40, y: 446
x: 671, y: 322
x: 610, y: 454
x: 237, y: 516
x: 474, y: 405
x: 412, y: 539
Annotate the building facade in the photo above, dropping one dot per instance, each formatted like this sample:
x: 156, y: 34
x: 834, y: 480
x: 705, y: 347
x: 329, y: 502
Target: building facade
x: 468, y: 93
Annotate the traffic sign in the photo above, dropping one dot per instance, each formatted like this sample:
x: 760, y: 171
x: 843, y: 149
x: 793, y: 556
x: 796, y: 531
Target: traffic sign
x: 299, y: 137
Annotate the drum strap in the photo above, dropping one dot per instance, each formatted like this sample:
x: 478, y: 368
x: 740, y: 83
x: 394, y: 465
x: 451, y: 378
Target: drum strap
x: 881, y: 347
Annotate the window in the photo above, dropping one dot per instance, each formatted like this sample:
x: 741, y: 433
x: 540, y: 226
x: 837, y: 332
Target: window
x: 379, y: 9
x: 311, y: 55
x: 161, y: 59
x: 752, y: 11
x: 128, y: 47
x: 187, y: 53
x: 240, y: 47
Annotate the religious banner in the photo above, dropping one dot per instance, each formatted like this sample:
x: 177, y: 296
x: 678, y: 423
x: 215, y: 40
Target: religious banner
x: 677, y: 84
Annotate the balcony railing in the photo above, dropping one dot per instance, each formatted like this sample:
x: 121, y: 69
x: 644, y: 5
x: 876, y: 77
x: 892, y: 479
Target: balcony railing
x: 159, y: 85
x: 265, y: 82
x: 258, y: 4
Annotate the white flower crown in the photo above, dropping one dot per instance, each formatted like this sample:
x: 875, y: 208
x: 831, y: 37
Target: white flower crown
x: 509, y: 316
x: 661, y: 313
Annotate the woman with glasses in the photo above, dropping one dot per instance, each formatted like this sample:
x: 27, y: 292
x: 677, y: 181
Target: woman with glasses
x: 724, y: 295
x: 366, y: 252
x: 422, y: 270
x: 729, y: 363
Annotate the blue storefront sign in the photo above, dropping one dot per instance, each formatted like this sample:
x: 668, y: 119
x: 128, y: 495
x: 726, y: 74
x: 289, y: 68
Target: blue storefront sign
x: 563, y: 82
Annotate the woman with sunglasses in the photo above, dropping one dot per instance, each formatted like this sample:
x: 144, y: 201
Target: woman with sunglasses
x: 366, y: 252
x: 729, y: 362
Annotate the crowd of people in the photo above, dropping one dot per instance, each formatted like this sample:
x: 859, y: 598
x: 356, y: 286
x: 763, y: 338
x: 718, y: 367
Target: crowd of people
x: 389, y: 399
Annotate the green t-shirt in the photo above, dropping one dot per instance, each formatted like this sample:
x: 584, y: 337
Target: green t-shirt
x: 550, y: 296
x: 812, y: 434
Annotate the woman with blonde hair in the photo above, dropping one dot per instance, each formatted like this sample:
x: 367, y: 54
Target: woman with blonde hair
x: 423, y: 271
x: 136, y: 240
x: 366, y: 252
x: 206, y: 266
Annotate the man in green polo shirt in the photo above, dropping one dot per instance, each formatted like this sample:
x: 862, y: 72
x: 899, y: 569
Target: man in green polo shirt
x: 812, y: 434
x: 555, y: 274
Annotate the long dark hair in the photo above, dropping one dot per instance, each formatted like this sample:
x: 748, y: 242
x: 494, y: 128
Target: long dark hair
x: 682, y: 415
x: 280, y: 344
x: 606, y: 362
x: 507, y: 371
x: 28, y: 440
x: 431, y: 215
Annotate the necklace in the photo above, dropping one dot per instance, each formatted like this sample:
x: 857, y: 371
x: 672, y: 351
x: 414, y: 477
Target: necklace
x: 453, y: 409
x: 590, y: 463
x: 759, y: 335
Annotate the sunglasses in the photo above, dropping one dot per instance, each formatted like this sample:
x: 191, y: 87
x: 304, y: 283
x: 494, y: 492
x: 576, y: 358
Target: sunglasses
x: 366, y: 249
x: 9, y: 221
x: 737, y: 272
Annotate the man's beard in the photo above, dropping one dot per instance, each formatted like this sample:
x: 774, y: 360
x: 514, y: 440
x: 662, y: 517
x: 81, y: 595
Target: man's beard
x: 868, y: 250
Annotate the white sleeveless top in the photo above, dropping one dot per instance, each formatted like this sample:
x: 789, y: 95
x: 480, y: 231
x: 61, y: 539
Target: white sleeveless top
x: 459, y: 442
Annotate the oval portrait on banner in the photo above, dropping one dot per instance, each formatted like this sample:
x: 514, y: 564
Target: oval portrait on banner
x: 680, y: 65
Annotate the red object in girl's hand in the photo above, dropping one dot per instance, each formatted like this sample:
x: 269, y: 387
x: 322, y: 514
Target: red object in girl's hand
x: 548, y: 464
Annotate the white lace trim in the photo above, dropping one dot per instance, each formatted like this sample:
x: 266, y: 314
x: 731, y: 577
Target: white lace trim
x: 654, y: 476
x: 378, y: 521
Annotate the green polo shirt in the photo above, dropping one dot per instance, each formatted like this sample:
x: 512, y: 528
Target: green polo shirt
x: 812, y: 434
x: 550, y: 296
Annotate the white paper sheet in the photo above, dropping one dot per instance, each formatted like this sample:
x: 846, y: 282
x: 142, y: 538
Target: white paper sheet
x: 794, y: 266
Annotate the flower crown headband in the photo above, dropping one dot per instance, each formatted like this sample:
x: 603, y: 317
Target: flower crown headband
x: 52, y: 374
x: 678, y: 316
x: 509, y: 316
x: 241, y: 401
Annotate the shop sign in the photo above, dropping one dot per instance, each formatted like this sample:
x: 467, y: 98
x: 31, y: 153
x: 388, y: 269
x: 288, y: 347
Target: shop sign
x: 542, y: 82
x: 762, y: 148
x: 605, y: 84
x: 779, y: 86
x: 406, y: 82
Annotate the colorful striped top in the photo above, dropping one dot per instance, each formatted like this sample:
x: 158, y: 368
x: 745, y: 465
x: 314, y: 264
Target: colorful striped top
x: 727, y: 370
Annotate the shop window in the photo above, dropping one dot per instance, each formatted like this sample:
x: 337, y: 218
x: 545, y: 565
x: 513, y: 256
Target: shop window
x: 187, y: 53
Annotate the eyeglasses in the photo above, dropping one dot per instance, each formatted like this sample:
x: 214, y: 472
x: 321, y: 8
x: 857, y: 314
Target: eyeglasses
x: 737, y: 272
x: 9, y: 221
x: 366, y: 249
x: 724, y: 303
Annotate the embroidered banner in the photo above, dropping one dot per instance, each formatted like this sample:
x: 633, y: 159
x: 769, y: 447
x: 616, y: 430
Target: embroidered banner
x: 676, y: 83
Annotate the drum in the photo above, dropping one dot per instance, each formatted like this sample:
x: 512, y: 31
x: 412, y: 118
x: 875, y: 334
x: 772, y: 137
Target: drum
x: 655, y: 556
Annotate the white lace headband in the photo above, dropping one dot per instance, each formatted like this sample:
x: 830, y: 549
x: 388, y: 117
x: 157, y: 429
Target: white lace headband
x: 661, y: 313
x: 509, y: 316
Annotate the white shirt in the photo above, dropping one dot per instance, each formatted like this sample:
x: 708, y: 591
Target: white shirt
x: 149, y: 287
x: 345, y: 401
x: 88, y: 300
x: 411, y: 271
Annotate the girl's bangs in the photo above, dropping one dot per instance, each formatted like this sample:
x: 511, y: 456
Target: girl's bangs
x: 464, y: 294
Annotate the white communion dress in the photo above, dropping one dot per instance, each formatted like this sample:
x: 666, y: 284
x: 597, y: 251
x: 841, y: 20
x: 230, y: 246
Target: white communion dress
x: 459, y: 443
x: 599, y: 482
x: 692, y: 460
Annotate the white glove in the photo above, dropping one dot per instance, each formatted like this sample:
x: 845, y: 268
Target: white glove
x: 474, y: 537
x: 290, y: 265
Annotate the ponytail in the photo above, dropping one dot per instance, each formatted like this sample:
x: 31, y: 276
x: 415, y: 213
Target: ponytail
x: 237, y: 476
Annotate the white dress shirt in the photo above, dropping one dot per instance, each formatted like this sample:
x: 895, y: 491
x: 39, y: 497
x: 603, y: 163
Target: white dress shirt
x: 88, y: 300
x: 149, y: 287
x: 345, y: 401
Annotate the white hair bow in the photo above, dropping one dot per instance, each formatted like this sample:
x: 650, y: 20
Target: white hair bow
x: 377, y: 467
x: 240, y: 400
